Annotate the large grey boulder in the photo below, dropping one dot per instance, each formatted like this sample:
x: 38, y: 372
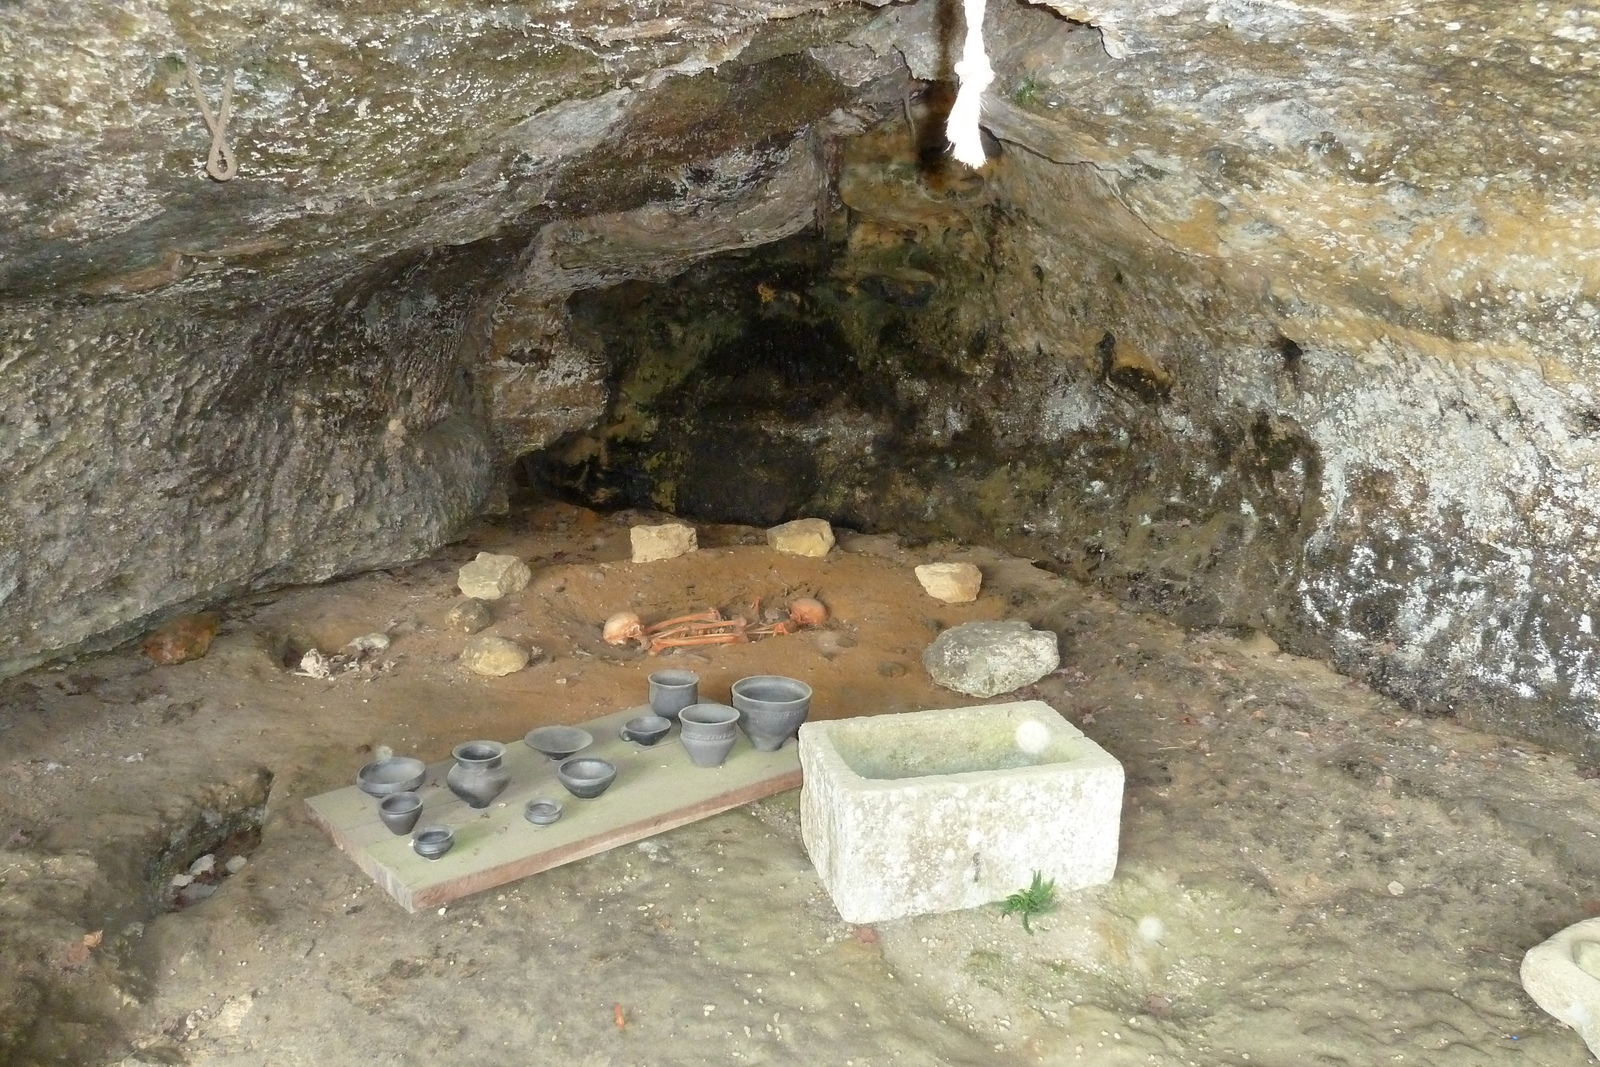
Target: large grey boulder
x: 985, y: 659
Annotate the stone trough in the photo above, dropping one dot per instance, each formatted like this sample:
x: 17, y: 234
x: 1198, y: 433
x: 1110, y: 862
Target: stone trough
x: 934, y: 811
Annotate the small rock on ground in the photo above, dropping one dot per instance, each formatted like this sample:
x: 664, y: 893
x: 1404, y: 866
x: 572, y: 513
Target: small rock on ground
x: 184, y: 638
x: 470, y: 616
x: 985, y: 659
x: 953, y: 583
x: 667, y: 541
x: 802, y: 537
x: 491, y: 576
x: 494, y: 656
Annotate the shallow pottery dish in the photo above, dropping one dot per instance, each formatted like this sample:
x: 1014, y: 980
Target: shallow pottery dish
x: 397, y: 774
x: 432, y: 842
x: 542, y: 811
x: 558, y: 742
x: 587, y: 777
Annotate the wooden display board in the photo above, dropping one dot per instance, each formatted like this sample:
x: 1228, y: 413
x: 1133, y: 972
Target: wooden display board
x: 656, y: 789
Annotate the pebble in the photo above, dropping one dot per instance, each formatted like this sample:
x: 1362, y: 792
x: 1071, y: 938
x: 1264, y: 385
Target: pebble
x: 236, y: 864
x: 492, y: 576
x: 181, y: 880
x: 204, y: 865
x: 953, y: 583
x: 666, y: 541
x: 373, y: 642
x: 802, y: 537
x: 470, y: 616
x: 494, y: 656
x: 1397, y: 889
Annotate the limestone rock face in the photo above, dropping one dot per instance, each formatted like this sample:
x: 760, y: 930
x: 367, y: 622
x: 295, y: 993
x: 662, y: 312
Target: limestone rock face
x: 492, y: 576
x: 667, y: 541
x: 329, y: 362
x: 953, y: 583
x: 1309, y: 346
x: 1348, y: 274
x: 494, y: 656
x: 985, y: 659
x: 802, y: 537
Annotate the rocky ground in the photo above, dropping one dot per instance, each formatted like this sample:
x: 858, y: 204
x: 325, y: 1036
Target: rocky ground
x: 1308, y: 875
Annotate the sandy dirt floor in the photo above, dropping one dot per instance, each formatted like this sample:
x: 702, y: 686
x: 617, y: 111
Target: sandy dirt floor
x: 1308, y: 875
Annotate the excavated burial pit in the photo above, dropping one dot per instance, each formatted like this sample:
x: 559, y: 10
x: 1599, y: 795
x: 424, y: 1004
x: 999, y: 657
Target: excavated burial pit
x: 223, y: 822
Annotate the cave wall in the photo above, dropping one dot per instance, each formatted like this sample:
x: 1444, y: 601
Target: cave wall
x: 327, y: 363
x: 1245, y: 345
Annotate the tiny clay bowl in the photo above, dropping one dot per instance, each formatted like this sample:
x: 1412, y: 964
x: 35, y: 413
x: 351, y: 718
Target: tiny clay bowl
x: 587, y: 777
x: 432, y: 842
x: 646, y: 730
x: 397, y: 774
x: 558, y: 742
x: 542, y: 811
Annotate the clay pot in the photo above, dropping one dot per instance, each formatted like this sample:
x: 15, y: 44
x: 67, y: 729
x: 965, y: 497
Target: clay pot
x: 708, y: 733
x: 400, y: 811
x: 587, y: 777
x: 672, y: 691
x: 771, y: 708
x: 478, y: 776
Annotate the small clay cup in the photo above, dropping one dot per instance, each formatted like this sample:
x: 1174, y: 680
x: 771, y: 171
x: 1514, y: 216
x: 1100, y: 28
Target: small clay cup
x: 542, y: 811
x: 397, y: 774
x: 400, y: 811
x: 771, y: 708
x: 587, y: 777
x: 558, y: 742
x: 646, y: 730
x: 672, y: 691
x: 432, y: 842
x: 708, y: 733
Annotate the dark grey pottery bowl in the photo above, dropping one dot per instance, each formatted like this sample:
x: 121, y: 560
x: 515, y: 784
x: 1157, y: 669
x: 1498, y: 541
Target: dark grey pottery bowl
x: 587, y: 777
x: 432, y: 842
x: 542, y: 811
x: 646, y: 730
x: 397, y: 774
x: 558, y: 742
x: 771, y: 708
x: 400, y: 811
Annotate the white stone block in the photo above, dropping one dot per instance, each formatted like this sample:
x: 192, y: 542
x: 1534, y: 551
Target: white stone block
x: 934, y: 811
x: 953, y: 583
x: 802, y: 537
x: 667, y: 541
x: 1562, y: 975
